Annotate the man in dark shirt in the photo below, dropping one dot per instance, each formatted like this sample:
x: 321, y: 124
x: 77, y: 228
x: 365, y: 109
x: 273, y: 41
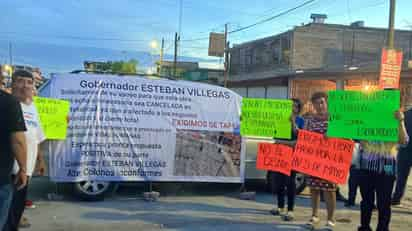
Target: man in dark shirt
x: 404, y: 162
x: 12, y: 146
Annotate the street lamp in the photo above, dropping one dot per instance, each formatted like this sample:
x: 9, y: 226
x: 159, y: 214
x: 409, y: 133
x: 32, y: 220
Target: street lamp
x: 8, y: 69
x: 154, y: 44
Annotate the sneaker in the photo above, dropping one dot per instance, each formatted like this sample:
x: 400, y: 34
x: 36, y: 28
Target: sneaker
x: 24, y: 223
x: 360, y: 228
x: 313, y: 223
x: 396, y: 203
x: 29, y: 204
x: 277, y: 212
x: 340, y: 197
x: 289, y: 216
x: 330, y: 225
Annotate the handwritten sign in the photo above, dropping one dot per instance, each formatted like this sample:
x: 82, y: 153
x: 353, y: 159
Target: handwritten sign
x: 274, y: 157
x: 364, y: 115
x: 326, y: 158
x: 266, y: 118
x: 391, y: 66
x: 53, y: 116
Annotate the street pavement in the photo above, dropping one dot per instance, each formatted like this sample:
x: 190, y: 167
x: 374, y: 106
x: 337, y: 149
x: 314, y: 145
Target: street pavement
x: 185, y: 207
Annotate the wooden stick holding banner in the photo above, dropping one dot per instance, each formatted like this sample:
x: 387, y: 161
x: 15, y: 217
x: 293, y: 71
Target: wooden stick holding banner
x: 274, y: 157
x: 326, y: 158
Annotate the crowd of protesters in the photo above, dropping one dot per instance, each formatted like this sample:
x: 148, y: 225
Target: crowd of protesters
x: 20, y: 152
x: 375, y: 165
x: 374, y: 169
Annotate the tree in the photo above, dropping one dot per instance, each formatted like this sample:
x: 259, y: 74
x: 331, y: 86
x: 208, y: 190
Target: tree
x: 125, y: 67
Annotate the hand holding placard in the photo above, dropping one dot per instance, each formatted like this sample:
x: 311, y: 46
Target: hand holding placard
x: 363, y: 115
x: 326, y: 158
x: 274, y: 157
x: 53, y: 116
x: 266, y: 118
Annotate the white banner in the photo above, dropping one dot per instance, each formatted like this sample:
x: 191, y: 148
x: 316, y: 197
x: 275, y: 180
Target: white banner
x: 139, y: 129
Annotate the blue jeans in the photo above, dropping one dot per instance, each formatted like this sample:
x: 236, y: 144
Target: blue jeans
x: 6, y: 195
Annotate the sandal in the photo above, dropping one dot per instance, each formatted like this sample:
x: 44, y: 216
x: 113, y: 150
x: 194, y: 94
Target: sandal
x: 24, y: 223
x: 313, y: 223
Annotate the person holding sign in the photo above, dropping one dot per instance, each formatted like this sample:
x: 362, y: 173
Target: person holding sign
x: 318, y: 122
x: 22, y: 89
x: 378, y: 172
x: 404, y: 159
x: 281, y: 183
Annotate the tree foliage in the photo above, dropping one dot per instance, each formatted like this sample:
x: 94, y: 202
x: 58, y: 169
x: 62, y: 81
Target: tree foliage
x: 124, y: 67
x: 127, y: 67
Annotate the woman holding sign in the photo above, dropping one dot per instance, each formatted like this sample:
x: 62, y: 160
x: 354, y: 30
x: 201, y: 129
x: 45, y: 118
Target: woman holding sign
x: 282, y: 184
x: 318, y: 122
x: 377, y: 173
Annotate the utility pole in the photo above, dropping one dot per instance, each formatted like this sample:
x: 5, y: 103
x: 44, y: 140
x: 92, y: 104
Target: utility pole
x: 161, y: 56
x: 10, y: 54
x: 391, y: 32
x: 175, y: 58
x: 226, y: 64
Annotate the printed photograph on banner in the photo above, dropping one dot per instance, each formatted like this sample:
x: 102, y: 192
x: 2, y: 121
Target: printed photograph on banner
x: 364, y: 115
x: 203, y: 153
x: 266, y: 118
x: 325, y: 158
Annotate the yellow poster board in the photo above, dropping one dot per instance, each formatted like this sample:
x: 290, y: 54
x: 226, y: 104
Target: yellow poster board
x: 53, y: 116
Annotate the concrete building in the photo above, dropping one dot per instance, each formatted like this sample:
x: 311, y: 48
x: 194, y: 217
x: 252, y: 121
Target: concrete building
x: 191, y: 71
x: 313, y: 56
x: 8, y: 70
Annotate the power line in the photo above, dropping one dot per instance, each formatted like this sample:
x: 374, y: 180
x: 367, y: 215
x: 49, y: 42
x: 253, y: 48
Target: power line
x: 75, y: 37
x: 273, y: 17
x: 349, y: 11
x: 195, y: 39
x: 259, y: 22
x: 376, y: 3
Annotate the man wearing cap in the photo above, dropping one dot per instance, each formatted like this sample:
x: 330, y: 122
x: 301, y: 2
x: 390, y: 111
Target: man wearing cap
x: 22, y: 89
x: 12, y: 146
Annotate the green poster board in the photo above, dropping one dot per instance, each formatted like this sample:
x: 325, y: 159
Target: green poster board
x: 53, y: 116
x: 364, y: 115
x: 266, y: 118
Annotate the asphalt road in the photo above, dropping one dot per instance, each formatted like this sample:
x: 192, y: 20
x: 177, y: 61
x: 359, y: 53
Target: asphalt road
x: 185, y: 207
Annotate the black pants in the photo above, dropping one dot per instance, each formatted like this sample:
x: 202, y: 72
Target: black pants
x: 404, y: 168
x: 17, y: 207
x: 282, y: 185
x: 383, y: 185
x: 353, y: 184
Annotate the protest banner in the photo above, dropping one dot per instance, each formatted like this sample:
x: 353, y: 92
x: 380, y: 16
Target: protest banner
x: 274, y: 157
x: 141, y: 129
x: 391, y: 66
x: 364, y: 115
x: 266, y: 118
x: 325, y: 158
x: 53, y: 116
